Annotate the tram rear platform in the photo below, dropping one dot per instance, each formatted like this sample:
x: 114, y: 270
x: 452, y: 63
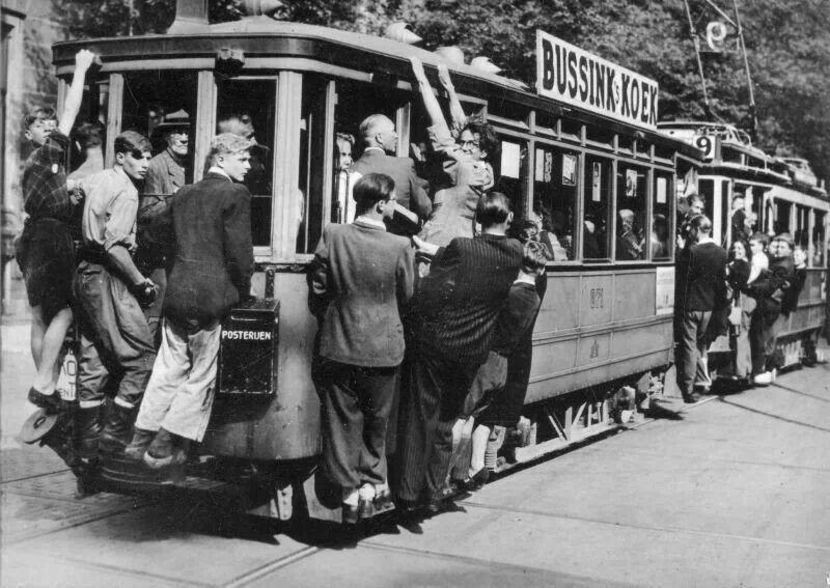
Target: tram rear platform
x: 732, y: 491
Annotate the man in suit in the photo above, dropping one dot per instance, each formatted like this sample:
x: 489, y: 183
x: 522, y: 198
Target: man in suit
x: 701, y: 280
x: 210, y: 272
x: 456, y: 308
x: 380, y: 139
x: 362, y: 279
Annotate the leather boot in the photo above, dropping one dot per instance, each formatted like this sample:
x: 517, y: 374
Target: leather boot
x: 138, y: 446
x: 87, y: 432
x: 118, y: 427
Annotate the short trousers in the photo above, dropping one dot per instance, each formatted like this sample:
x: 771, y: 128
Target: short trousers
x: 46, y: 256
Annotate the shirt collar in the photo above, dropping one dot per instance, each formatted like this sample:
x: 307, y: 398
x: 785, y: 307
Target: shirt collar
x: 215, y: 169
x: 381, y: 149
x: 525, y: 279
x: 365, y: 220
x: 703, y: 240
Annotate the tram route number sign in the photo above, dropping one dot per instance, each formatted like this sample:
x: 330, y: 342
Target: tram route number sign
x: 568, y: 74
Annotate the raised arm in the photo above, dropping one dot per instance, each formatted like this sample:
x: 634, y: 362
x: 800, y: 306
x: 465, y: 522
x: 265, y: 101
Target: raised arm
x: 433, y: 108
x: 72, y: 105
x: 459, y: 117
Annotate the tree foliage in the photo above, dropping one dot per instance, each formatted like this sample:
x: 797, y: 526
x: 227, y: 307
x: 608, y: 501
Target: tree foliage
x: 788, y: 45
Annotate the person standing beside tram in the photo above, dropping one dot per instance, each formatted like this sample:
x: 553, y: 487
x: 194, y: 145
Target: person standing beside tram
x: 115, y: 338
x: 771, y: 291
x: 457, y: 307
x: 210, y: 272
x: 361, y: 282
x: 45, y: 251
x: 701, y: 278
x: 165, y: 176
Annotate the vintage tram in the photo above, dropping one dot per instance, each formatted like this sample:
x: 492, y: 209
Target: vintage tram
x: 604, y: 180
x: 780, y: 195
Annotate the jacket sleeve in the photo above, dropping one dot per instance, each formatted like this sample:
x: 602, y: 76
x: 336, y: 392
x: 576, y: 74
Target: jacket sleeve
x: 406, y: 276
x: 239, y: 249
x: 318, y: 277
x: 419, y: 202
x: 438, y: 287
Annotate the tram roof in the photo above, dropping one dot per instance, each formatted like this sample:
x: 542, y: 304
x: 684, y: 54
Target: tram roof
x: 264, y: 37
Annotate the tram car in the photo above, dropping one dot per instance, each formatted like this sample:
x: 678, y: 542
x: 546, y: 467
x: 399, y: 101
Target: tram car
x: 780, y: 195
x: 603, y: 179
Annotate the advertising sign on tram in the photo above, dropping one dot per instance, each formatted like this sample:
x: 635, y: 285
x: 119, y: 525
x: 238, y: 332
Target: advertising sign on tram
x: 566, y: 73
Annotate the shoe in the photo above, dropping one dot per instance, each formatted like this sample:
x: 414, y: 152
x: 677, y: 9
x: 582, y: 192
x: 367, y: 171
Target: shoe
x: 365, y: 504
x: 162, y: 452
x: 691, y: 398
x: 87, y: 432
x: 138, y: 446
x: 51, y: 403
x: 762, y: 379
x: 383, y: 503
x: 350, y: 514
x: 476, y: 481
x: 118, y: 427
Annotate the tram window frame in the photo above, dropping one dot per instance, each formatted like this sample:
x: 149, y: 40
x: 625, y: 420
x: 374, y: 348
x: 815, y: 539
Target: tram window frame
x: 801, y: 226
x: 668, y: 190
x: 515, y: 188
x: 546, y: 123
x: 168, y: 93
x: 554, y: 176
x: 818, y: 234
x: 641, y: 191
x: 603, y: 196
x: 265, y: 245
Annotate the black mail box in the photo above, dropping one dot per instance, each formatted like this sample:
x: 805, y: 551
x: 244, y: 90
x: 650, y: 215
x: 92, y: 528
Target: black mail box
x: 248, y: 348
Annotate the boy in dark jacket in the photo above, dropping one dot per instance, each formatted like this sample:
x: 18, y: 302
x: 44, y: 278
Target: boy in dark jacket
x: 211, y: 272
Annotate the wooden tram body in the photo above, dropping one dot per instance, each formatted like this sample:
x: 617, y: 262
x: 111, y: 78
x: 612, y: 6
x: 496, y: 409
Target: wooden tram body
x: 605, y: 323
x: 785, y: 196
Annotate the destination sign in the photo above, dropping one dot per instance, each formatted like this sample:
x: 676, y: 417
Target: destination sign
x: 566, y: 73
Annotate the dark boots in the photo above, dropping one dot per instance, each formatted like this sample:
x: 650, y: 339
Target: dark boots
x: 118, y: 429
x: 88, y: 432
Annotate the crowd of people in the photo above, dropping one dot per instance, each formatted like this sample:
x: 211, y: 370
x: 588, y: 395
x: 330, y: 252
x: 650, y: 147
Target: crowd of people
x: 429, y: 288
x: 747, y: 294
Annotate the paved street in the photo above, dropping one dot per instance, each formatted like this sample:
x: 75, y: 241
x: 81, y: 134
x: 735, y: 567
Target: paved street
x: 733, y: 492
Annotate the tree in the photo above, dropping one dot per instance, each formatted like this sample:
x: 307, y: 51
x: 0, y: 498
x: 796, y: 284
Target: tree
x: 788, y: 44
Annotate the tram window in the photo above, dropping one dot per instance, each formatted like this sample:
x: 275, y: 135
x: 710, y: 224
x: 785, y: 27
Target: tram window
x: 598, y: 178
x: 248, y: 108
x: 545, y: 122
x: 660, y: 241
x: 631, y: 211
x: 625, y: 143
x: 801, y: 236
x: 781, y: 224
x: 357, y: 100
x: 511, y: 172
x: 556, y: 174
x: 312, y: 153
x: 571, y: 128
x: 819, y: 252
x: 509, y: 110
x: 600, y: 135
x: 154, y: 99
x: 706, y: 190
